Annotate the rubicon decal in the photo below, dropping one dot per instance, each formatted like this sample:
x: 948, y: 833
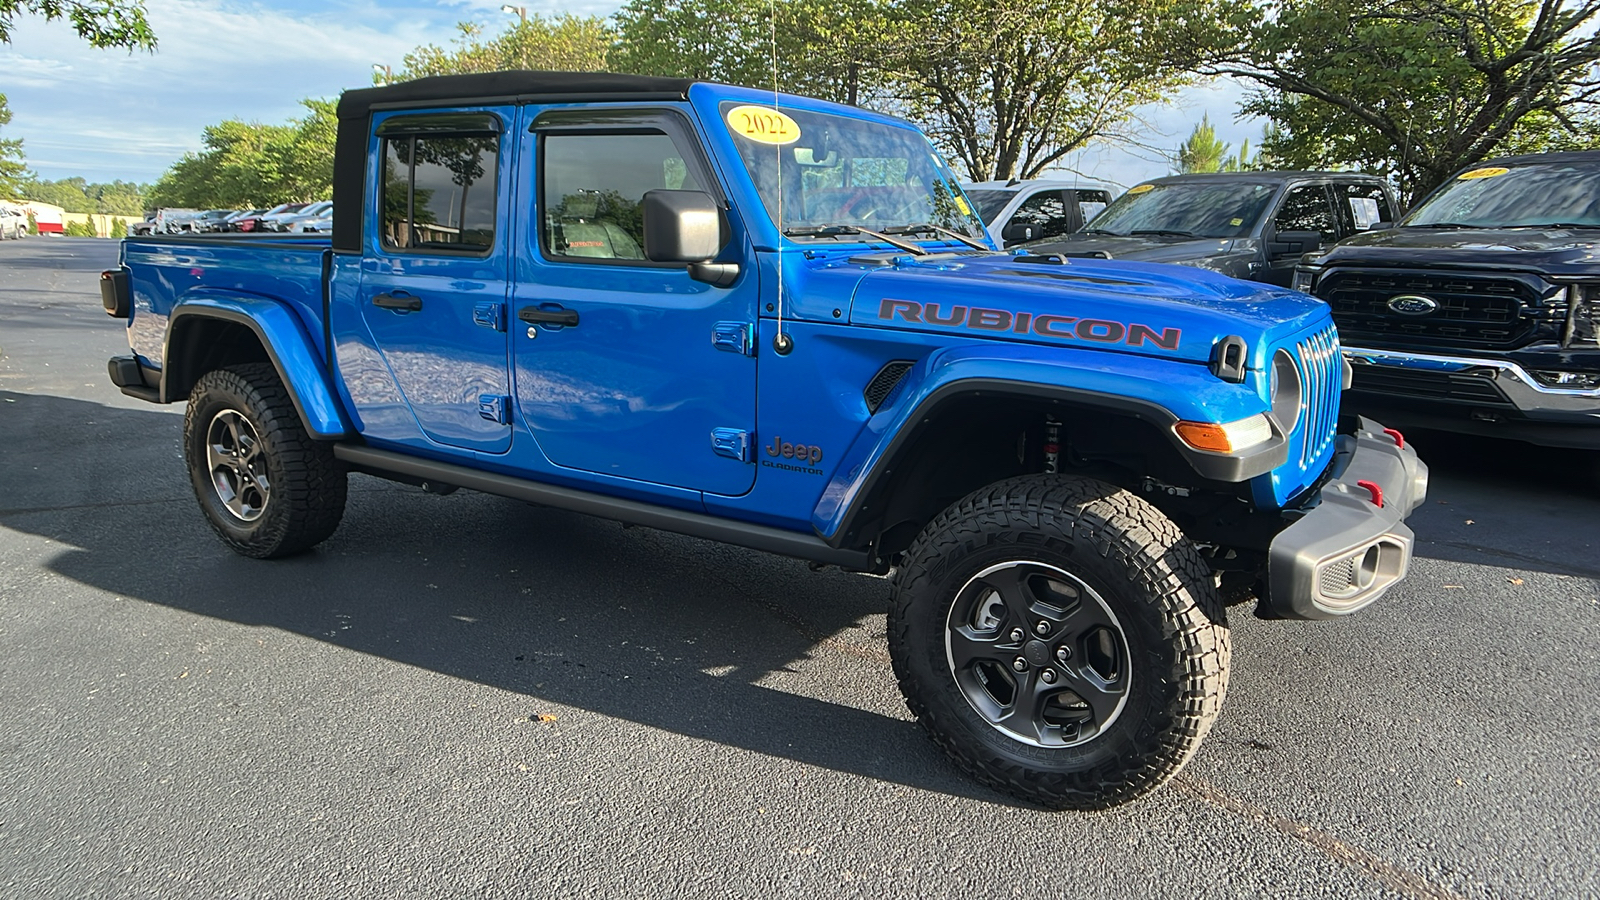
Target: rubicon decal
x: 1049, y: 325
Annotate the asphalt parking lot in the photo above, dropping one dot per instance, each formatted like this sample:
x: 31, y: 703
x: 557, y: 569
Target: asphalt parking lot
x: 467, y: 696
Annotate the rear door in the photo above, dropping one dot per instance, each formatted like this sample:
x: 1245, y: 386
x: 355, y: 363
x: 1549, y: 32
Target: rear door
x: 434, y: 276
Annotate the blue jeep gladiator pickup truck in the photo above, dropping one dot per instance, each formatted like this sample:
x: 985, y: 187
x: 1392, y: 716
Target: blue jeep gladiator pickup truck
x: 778, y: 322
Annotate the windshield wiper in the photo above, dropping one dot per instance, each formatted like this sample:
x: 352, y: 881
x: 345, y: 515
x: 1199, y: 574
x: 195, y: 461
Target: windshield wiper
x: 1447, y: 225
x: 838, y: 230
x: 1164, y: 232
x: 930, y: 228
x: 1555, y: 225
x: 1100, y: 231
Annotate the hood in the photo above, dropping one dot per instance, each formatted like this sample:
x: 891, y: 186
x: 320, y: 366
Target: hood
x: 1554, y: 251
x: 1148, y: 309
x: 1142, y: 247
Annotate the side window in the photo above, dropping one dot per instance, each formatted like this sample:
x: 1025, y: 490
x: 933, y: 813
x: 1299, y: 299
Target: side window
x: 591, y: 187
x: 439, y: 191
x: 1363, y: 205
x: 1090, y: 202
x: 1047, y: 212
x: 1307, y: 209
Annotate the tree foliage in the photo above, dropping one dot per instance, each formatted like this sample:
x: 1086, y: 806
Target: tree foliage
x: 103, y: 23
x: 564, y: 43
x: 76, y: 195
x: 1004, y: 87
x: 247, y: 164
x: 1416, y: 89
x: 1202, y: 152
x: 13, y: 168
x: 1010, y: 87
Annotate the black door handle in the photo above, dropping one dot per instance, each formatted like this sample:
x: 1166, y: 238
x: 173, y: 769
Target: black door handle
x: 401, y: 302
x: 533, y: 315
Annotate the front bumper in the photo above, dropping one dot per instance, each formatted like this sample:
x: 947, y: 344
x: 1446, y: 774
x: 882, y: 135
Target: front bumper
x: 1520, y: 390
x: 1346, y: 551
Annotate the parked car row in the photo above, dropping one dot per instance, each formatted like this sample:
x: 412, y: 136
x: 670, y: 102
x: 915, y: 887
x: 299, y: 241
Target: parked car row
x: 1478, y: 312
x: 285, y: 217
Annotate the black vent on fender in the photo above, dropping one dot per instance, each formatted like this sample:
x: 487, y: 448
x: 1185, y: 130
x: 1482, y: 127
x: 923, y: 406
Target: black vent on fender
x: 884, y: 383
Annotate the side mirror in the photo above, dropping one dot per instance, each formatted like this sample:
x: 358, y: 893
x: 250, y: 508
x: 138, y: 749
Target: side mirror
x: 681, y: 226
x: 1381, y: 226
x: 1294, y: 243
x: 1018, y: 232
x: 687, y: 227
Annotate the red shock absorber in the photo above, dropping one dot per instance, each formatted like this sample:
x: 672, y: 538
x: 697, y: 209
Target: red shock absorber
x: 1052, y: 445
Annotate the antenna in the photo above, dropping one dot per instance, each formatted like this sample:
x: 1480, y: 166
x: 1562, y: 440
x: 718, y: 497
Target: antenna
x: 781, y: 342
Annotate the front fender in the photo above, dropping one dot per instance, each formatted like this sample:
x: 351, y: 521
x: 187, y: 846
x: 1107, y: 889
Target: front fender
x: 1162, y: 392
x: 288, y: 346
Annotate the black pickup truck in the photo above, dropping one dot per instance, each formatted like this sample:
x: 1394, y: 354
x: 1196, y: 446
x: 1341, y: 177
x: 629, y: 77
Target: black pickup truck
x: 1250, y: 225
x: 1478, y: 313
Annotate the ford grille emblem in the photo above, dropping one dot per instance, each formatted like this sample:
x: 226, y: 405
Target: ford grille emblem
x: 1413, y: 304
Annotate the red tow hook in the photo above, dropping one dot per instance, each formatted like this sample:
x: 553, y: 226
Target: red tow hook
x: 1373, y: 488
x: 1399, y: 439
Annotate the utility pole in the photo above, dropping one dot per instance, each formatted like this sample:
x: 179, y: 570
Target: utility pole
x: 385, y: 71
x: 520, y: 11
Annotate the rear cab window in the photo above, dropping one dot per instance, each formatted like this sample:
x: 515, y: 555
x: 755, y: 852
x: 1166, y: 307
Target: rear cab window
x: 1362, y: 206
x: 439, y: 184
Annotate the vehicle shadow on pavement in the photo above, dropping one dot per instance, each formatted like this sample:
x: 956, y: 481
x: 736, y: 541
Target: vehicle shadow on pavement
x: 1487, y: 498
x: 703, y: 640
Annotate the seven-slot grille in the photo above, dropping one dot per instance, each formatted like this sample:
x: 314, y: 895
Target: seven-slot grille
x: 1321, y: 377
x: 1473, y: 310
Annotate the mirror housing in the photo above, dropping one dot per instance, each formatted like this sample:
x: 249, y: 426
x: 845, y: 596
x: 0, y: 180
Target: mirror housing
x: 1294, y: 243
x: 681, y: 226
x: 1018, y: 232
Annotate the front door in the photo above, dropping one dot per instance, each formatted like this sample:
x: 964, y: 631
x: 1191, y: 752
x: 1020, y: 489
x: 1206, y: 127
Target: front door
x: 626, y: 367
x: 1305, y: 208
x: 433, y: 282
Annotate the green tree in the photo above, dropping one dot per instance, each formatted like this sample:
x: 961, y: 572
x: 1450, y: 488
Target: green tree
x: 822, y: 50
x: 103, y: 23
x: 13, y: 166
x: 565, y: 43
x: 1415, y: 89
x: 1202, y: 152
x: 1009, y: 87
x: 245, y: 164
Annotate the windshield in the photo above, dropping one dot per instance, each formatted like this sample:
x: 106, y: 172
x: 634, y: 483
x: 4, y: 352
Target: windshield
x: 990, y: 202
x: 843, y: 171
x: 1192, y: 209
x: 1497, y: 197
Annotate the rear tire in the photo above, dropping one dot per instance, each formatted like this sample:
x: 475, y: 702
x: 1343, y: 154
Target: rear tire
x: 1061, y: 640
x: 267, y: 488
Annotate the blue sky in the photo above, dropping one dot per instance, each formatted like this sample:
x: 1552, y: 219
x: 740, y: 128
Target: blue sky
x: 106, y: 114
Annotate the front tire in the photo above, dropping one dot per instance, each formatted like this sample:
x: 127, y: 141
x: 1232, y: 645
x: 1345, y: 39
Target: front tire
x: 267, y: 488
x: 1061, y: 640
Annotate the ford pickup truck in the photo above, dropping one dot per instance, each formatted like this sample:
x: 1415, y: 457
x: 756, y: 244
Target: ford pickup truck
x: 1480, y: 313
x: 777, y: 322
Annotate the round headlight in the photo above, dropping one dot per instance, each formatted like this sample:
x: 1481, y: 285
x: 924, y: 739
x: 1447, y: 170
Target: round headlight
x: 1287, y: 393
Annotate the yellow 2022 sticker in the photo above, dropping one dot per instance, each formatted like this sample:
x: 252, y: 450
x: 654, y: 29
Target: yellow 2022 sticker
x: 1142, y: 189
x: 763, y: 124
x: 961, y: 204
x: 1485, y: 172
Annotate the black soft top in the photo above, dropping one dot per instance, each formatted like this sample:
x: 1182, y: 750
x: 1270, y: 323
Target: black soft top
x: 355, y: 109
x: 513, y: 85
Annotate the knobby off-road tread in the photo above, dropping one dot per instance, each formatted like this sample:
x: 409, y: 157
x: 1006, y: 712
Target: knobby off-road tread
x: 309, y: 485
x: 1163, y: 568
